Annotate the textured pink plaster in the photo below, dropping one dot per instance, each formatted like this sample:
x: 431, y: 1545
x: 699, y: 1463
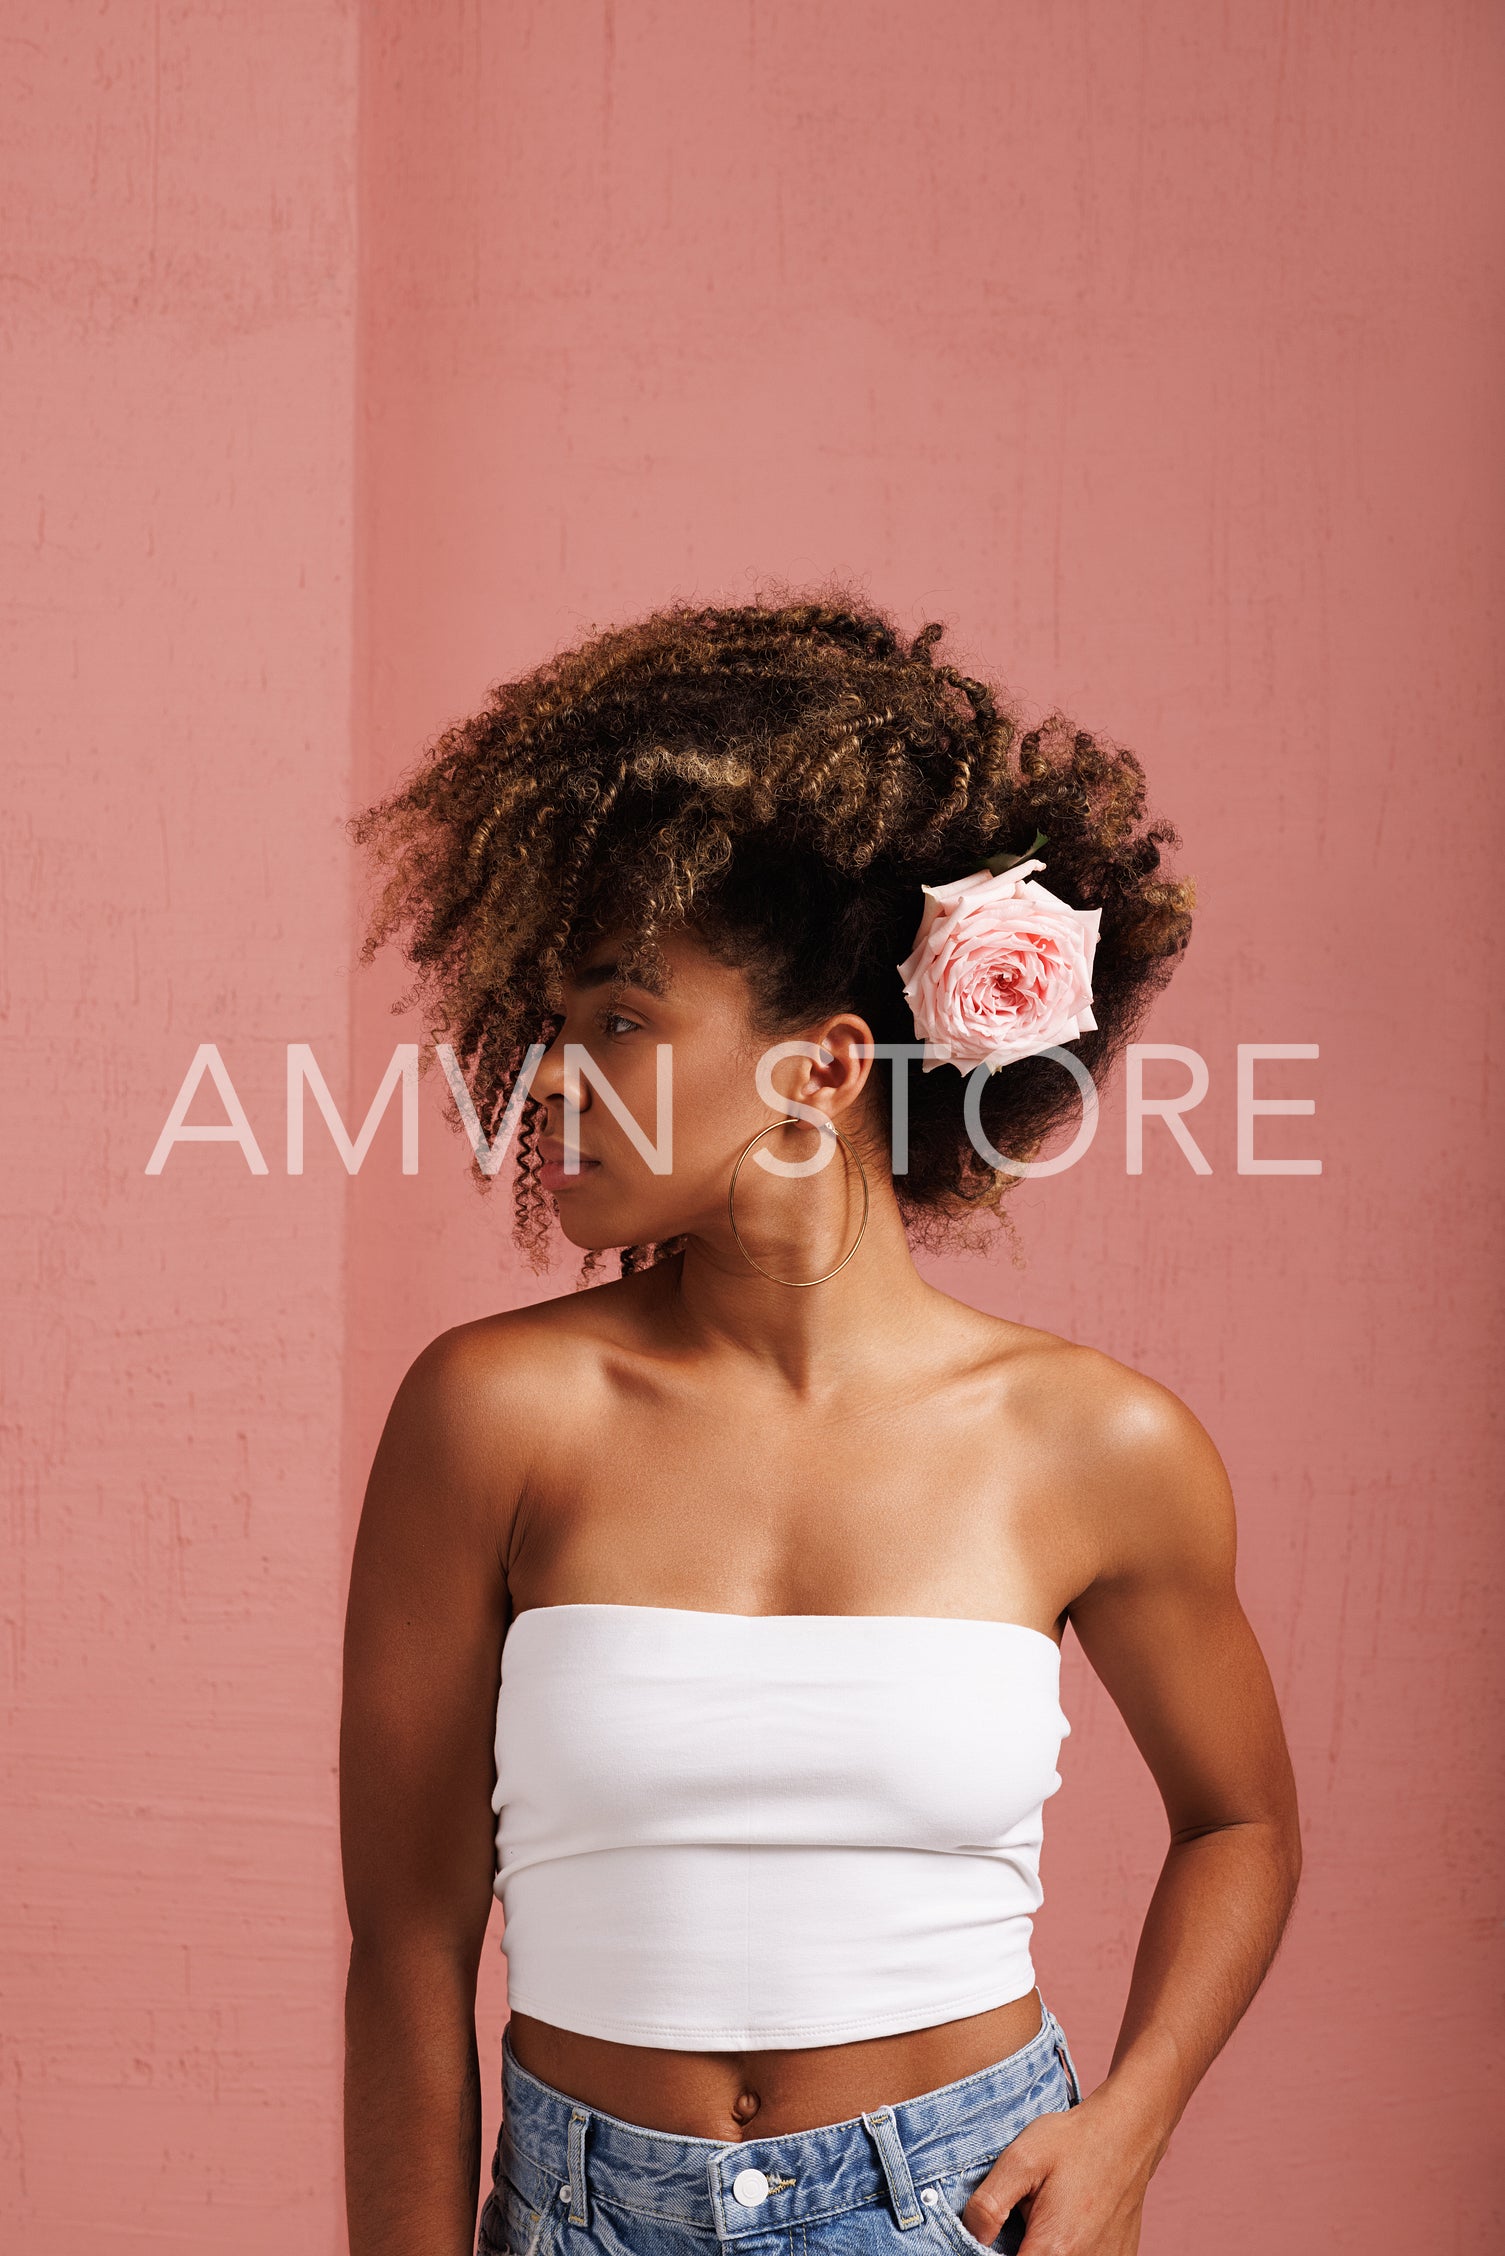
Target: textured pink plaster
x: 178, y: 326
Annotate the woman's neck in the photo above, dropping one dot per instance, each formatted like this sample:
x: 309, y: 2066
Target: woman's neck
x: 810, y: 1336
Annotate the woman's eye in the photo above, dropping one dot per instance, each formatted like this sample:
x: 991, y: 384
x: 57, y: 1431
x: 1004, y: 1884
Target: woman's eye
x: 615, y: 1022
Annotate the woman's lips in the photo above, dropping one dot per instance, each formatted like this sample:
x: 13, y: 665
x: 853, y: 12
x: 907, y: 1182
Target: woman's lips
x: 553, y: 1175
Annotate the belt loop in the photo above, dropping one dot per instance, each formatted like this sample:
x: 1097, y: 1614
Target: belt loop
x: 718, y: 2196
x: 579, y: 2125
x: 1063, y: 2054
x: 885, y: 2136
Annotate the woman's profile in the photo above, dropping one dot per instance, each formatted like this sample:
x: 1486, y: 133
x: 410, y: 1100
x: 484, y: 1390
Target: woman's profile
x: 711, y: 1614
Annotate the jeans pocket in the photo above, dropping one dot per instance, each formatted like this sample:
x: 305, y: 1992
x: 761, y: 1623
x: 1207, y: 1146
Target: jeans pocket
x: 950, y: 2199
x: 491, y: 2235
x: 510, y: 2225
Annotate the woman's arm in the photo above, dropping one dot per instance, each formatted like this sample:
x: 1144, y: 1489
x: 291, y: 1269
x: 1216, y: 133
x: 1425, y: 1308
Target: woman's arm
x: 1163, y: 1628
x: 426, y: 1617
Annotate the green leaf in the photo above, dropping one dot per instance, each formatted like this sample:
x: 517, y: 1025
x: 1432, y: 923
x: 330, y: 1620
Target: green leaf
x: 996, y: 864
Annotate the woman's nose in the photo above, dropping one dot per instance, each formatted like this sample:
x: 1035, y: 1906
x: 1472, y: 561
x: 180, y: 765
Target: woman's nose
x: 555, y: 1078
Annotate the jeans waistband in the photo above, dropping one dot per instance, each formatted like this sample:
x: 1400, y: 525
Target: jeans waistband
x: 560, y: 2151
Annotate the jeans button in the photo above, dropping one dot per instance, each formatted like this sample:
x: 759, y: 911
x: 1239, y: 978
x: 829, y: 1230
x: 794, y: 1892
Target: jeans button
x: 749, y: 2187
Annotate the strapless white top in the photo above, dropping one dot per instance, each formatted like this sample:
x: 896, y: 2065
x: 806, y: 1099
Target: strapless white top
x: 724, y: 1832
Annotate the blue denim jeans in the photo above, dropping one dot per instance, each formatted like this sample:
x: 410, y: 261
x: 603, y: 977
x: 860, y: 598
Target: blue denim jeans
x: 570, y: 2181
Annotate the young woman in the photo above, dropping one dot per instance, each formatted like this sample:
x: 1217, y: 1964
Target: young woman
x: 711, y: 1617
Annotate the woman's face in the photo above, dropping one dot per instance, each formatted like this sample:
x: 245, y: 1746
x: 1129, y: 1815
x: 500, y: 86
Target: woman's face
x: 702, y: 1014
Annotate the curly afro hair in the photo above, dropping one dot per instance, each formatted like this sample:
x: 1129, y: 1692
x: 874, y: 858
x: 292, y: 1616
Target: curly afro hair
x: 782, y: 775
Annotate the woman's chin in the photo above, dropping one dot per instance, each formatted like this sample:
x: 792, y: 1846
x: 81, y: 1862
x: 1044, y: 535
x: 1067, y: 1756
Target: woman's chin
x: 602, y: 1232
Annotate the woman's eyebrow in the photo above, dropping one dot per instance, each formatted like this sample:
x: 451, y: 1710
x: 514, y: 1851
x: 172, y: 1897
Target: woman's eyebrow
x: 603, y: 974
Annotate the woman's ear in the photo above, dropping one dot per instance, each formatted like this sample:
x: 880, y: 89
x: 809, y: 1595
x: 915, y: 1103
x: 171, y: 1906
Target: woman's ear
x: 822, y: 1072
x: 841, y: 1072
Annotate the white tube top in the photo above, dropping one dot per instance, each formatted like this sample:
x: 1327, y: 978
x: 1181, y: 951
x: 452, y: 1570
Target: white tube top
x: 723, y: 1832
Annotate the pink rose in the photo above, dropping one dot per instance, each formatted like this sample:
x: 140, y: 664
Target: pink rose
x: 1000, y: 970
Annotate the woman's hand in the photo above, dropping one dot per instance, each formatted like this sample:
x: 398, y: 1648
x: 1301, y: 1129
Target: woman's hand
x: 1080, y: 2176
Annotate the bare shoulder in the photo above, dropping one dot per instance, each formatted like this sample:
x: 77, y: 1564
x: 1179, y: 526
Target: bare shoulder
x: 1134, y: 1464
x: 483, y: 1398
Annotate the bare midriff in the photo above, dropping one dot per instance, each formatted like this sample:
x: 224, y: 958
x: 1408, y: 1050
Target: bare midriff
x: 747, y: 2095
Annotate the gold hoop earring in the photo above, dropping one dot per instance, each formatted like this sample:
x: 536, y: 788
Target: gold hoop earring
x: 796, y: 1284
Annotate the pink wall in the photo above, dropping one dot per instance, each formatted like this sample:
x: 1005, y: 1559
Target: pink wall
x: 179, y: 310
x: 365, y: 359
